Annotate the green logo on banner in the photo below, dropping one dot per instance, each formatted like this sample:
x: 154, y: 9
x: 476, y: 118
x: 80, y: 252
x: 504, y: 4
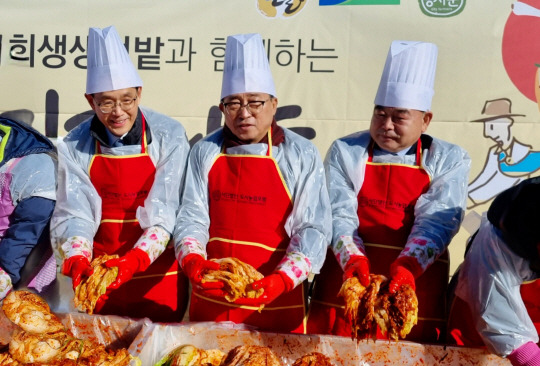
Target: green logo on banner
x: 442, y: 8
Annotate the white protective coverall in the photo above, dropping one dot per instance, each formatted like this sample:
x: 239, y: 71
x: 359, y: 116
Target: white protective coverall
x: 489, y: 281
x: 77, y: 214
x: 308, y: 225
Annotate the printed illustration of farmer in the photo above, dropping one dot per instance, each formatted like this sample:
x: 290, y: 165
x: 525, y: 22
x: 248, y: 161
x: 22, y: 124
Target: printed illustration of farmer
x: 508, y: 161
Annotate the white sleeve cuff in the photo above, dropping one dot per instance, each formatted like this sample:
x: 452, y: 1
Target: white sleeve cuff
x: 423, y: 249
x: 77, y: 245
x: 190, y: 245
x: 153, y: 242
x: 346, y: 247
x: 296, y: 266
x: 5, y: 284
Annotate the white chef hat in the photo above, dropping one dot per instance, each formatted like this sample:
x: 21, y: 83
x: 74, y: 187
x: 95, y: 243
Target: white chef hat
x: 108, y: 64
x: 408, y: 76
x: 246, y: 67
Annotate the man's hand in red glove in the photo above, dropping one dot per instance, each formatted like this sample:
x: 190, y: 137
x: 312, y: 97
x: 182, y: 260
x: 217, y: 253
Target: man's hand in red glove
x: 136, y: 260
x: 77, y: 267
x: 357, y: 266
x: 101, y: 301
x: 403, y: 271
x: 274, y: 285
x: 194, y: 266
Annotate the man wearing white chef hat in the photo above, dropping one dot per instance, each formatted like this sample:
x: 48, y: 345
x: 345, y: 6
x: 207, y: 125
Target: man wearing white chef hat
x: 254, y: 191
x: 398, y: 197
x: 119, y: 181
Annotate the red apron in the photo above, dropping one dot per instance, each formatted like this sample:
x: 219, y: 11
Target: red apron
x: 123, y: 183
x: 461, y: 324
x: 530, y: 294
x: 386, y: 212
x: 249, y: 204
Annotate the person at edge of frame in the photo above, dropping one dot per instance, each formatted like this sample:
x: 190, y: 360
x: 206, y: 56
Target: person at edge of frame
x: 495, y: 293
x: 28, y: 164
x: 119, y: 181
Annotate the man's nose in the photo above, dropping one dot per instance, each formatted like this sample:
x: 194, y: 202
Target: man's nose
x: 117, y: 109
x: 387, y: 123
x: 244, y: 113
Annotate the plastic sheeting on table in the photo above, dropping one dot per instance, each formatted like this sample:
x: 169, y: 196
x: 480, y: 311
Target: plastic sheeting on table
x: 155, y: 341
x: 112, y: 331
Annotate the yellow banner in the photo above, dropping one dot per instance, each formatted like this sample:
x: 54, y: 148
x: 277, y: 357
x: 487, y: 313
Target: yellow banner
x: 326, y: 57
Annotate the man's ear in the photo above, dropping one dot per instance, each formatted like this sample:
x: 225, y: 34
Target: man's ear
x: 90, y: 100
x: 274, y: 102
x: 426, y: 120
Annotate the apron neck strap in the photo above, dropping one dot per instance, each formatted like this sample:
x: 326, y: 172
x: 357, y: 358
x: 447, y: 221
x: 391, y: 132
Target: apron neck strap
x: 419, y: 152
x: 143, y: 139
x: 269, y: 151
x: 370, y: 150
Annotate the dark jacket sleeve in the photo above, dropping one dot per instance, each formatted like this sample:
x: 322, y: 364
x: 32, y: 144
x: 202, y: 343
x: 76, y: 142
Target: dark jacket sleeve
x: 28, y: 226
x: 516, y: 213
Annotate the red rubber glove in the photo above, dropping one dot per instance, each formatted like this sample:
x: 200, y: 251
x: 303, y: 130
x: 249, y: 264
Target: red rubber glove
x: 525, y: 355
x: 194, y: 265
x: 403, y: 271
x: 101, y: 301
x: 274, y: 285
x: 77, y: 267
x: 358, y: 265
x: 136, y: 260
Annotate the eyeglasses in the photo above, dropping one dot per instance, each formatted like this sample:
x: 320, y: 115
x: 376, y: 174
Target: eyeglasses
x: 107, y: 106
x: 253, y: 107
